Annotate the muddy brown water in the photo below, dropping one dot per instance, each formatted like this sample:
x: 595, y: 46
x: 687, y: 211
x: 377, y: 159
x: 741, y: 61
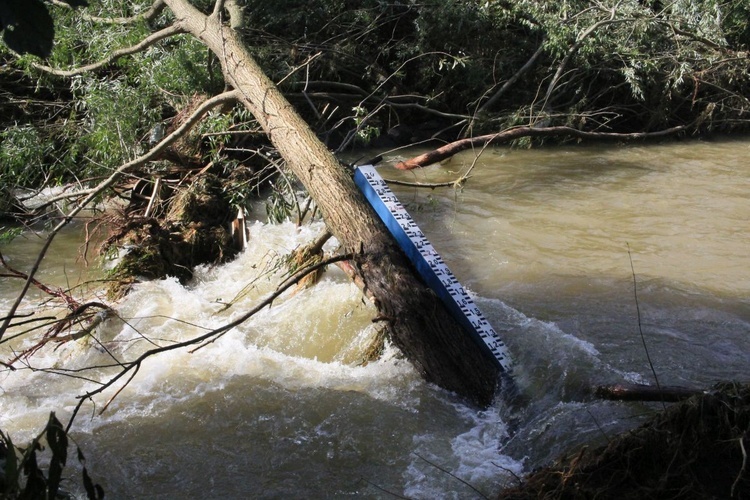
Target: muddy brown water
x: 547, y: 240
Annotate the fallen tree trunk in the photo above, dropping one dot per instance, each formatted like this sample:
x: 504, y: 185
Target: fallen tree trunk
x: 455, y: 147
x: 418, y: 323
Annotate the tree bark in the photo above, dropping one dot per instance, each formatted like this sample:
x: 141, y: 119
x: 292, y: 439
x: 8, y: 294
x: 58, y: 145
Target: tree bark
x: 419, y: 325
x: 512, y: 134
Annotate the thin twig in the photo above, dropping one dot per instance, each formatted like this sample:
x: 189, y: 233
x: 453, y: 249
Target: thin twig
x: 430, y: 185
x: 110, y: 181
x: 453, y: 476
x: 214, y: 335
x: 132, y: 376
x: 388, y: 492
x: 209, y: 336
x: 513, y: 79
x: 640, y: 326
x: 146, y: 15
x: 744, y: 465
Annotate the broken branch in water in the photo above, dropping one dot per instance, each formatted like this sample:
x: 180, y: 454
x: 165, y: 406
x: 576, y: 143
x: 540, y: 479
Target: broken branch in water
x: 640, y: 392
x: 455, y: 147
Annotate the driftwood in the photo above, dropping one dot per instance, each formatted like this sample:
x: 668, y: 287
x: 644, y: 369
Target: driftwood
x: 639, y: 392
x: 452, y: 148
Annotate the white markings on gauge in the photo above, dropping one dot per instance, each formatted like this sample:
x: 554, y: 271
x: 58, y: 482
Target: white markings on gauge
x: 429, y: 264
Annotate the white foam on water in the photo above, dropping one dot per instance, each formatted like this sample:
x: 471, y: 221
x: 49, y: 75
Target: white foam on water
x: 478, y: 449
x: 459, y: 466
x: 307, y: 342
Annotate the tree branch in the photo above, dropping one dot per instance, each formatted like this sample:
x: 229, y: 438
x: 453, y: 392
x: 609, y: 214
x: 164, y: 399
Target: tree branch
x: 693, y: 36
x: 218, y: 7
x: 513, y: 79
x: 640, y: 392
x: 452, y: 148
x: 111, y: 180
x: 126, y: 51
x: 147, y: 15
x: 212, y: 335
x: 579, y: 41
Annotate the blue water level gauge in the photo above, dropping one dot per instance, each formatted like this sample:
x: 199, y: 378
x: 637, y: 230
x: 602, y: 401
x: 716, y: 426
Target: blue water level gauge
x: 429, y: 264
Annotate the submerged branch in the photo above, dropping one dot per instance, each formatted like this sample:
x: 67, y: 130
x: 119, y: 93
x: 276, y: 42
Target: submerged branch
x: 640, y: 392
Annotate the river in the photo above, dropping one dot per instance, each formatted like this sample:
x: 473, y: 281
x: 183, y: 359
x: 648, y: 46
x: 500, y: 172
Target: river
x: 548, y: 241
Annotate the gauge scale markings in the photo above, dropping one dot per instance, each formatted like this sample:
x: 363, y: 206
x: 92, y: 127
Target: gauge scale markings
x: 429, y: 264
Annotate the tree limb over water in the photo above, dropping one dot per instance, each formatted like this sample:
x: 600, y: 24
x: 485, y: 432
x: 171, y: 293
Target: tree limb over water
x: 455, y: 147
x: 610, y: 66
x: 190, y: 122
x: 206, y: 338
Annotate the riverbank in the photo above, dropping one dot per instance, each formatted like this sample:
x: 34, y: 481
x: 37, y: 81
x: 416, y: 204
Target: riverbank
x: 696, y: 449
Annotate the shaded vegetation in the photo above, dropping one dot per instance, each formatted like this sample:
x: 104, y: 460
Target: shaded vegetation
x: 381, y: 73
x: 27, y: 473
x: 694, y: 450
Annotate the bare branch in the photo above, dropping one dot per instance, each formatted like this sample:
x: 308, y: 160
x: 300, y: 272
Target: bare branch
x: 149, y: 14
x: 133, y: 49
x: 428, y: 185
x: 206, y: 337
x: 579, y: 41
x: 218, y: 7
x: 111, y: 180
x: 513, y: 79
x: 692, y: 36
x: 515, y: 133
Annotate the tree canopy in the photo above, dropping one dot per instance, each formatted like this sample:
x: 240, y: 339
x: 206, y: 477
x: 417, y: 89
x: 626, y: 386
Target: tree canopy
x: 367, y: 72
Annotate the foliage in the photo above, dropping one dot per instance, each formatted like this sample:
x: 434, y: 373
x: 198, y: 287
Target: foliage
x: 22, y: 477
x: 8, y: 234
x: 368, y: 66
x: 116, y: 118
x: 94, y: 122
x: 624, y: 65
x: 693, y: 450
x: 22, y: 153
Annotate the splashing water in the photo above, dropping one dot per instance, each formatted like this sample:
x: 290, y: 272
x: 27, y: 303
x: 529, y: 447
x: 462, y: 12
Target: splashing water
x: 280, y: 406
